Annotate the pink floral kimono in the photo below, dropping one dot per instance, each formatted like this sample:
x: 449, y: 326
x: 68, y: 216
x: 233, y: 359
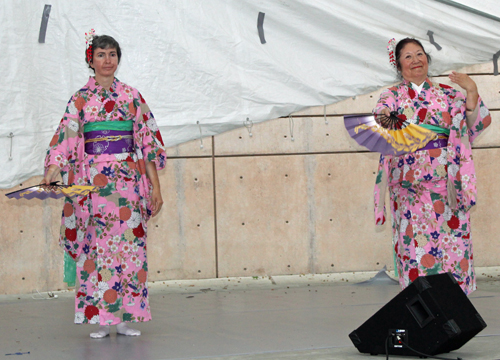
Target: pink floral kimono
x: 431, y: 191
x: 105, y: 232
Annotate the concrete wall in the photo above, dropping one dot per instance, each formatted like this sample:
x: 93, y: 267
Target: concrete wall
x: 260, y: 205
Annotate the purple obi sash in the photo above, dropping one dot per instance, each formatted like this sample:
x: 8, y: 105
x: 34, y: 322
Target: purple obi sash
x: 440, y: 142
x: 108, y: 142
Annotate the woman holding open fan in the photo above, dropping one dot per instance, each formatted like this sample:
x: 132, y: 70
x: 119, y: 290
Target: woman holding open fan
x: 433, y: 188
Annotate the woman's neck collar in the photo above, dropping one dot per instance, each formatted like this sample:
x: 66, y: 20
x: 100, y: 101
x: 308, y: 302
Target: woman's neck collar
x: 104, y: 81
x: 417, y: 82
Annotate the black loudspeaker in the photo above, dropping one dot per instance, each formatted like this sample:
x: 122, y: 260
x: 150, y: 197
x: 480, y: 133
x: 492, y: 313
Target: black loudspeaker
x: 432, y: 315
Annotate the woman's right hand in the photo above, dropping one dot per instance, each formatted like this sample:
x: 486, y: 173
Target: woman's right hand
x: 385, y: 112
x: 50, y: 174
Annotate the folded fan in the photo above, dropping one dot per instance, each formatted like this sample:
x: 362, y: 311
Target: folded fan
x: 54, y: 191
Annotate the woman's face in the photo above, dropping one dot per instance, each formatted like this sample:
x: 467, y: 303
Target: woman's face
x: 413, y: 63
x: 105, y: 62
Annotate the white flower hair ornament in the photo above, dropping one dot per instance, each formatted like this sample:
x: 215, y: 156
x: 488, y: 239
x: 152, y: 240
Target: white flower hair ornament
x: 391, y: 49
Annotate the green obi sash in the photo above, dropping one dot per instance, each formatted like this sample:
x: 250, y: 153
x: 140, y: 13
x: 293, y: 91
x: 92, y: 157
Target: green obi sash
x: 436, y: 129
x: 109, y: 125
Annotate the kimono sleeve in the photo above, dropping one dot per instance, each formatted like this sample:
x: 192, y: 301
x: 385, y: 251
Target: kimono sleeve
x: 152, y: 146
x: 479, y: 120
x: 63, y: 148
x: 388, y: 99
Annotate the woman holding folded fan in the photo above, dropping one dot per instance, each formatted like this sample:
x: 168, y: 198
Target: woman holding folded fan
x: 432, y: 189
x: 108, y: 137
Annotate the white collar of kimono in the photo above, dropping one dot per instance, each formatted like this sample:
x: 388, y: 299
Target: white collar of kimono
x: 417, y: 88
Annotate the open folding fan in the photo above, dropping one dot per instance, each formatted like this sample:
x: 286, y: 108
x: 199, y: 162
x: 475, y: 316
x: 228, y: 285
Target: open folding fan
x: 54, y: 191
x: 393, y: 136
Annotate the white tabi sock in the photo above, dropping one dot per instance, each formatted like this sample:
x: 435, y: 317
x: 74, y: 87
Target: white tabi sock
x: 123, y: 329
x: 101, y: 333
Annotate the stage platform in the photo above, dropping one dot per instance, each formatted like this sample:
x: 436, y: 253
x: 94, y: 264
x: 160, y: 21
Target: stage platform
x: 302, y: 317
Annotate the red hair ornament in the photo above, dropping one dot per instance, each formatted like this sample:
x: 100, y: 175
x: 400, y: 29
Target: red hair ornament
x: 89, y: 37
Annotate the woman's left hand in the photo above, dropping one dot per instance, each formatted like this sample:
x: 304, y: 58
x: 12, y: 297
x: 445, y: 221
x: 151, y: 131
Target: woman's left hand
x: 155, y: 201
x: 464, y: 81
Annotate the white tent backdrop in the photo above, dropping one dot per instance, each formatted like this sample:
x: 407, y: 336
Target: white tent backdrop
x: 202, y: 61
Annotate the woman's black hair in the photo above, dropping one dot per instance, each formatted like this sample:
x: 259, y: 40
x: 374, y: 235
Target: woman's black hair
x: 104, y: 42
x: 401, y: 44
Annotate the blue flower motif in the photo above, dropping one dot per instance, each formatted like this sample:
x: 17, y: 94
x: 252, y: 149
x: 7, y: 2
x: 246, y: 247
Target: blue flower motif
x: 434, y: 251
x: 118, y: 269
x: 118, y: 286
x: 401, y: 163
x: 145, y: 292
x: 86, y: 248
x: 410, y: 160
x: 457, y: 160
x: 413, y: 262
x: 435, y: 235
x: 143, y: 305
x: 108, y: 171
x: 408, y: 214
x: 428, y: 177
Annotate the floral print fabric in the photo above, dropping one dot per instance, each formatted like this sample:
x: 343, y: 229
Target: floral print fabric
x: 105, y: 232
x: 431, y: 191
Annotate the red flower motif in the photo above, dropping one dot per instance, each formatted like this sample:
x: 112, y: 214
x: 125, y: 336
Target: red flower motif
x: 422, y: 113
x: 466, y: 236
x: 80, y: 293
x: 145, y: 117
x: 134, y: 294
x: 445, y: 86
x: 142, y: 99
x: 70, y: 234
x: 138, y: 231
x: 412, y: 93
x: 80, y: 202
x: 453, y: 223
x: 413, y: 274
x: 91, y: 311
x: 402, y: 117
x: 99, y: 277
x: 109, y: 106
